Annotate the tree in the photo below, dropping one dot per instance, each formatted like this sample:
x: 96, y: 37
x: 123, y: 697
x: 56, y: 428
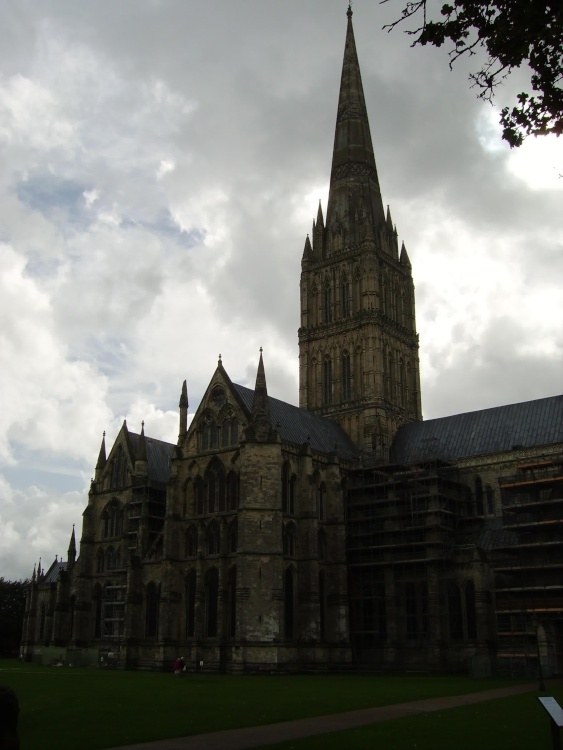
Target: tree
x: 513, y: 33
x: 12, y: 608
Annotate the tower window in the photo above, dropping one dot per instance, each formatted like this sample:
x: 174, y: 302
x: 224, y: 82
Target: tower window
x: 328, y: 304
x: 327, y: 381
x: 346, y: 377
x: 346, y: 301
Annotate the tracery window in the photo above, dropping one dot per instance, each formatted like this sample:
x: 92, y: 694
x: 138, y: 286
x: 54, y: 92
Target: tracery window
x: 215, y: 480
x: 119, y: 470
x: 112, y: 516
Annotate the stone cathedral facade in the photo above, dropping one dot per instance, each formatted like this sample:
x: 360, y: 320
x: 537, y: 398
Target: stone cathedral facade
x: 343, y: 533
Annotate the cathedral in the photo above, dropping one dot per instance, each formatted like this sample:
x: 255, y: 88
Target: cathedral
x: 345, y: 533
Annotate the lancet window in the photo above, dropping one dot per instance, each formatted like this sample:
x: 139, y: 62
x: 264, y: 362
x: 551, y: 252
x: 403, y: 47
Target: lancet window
x: 288, y: 486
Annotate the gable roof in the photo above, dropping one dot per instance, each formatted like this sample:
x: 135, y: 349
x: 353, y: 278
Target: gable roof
x: 478, y: 433
x: 299, y: 426
x: 159, y: 454
x: 52, y: 575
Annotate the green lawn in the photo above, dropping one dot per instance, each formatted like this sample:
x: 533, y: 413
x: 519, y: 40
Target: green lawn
x: 72, y: 709
x: 517, y: 723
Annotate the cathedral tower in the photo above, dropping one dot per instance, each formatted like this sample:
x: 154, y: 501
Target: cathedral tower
x: 358, y: 346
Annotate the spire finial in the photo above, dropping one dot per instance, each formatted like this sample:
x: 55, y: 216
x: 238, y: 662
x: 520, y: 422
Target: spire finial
x: 349, y: 12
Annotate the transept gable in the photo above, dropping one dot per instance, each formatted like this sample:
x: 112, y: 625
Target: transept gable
x: 120, y: 464
x: 220, y: 417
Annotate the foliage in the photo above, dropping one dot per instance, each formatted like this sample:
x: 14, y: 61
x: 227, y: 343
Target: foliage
x: 513, y: 33
x: 56, y: 703
x: 12, y: 608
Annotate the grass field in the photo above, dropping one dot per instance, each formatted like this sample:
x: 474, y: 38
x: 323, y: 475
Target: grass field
x: 78, y: 709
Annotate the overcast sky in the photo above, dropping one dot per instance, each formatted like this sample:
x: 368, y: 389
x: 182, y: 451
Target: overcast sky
x: 161, y: 163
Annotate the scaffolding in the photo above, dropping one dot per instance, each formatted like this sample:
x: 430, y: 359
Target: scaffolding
x: 402, y: 528
x: 528, y: 570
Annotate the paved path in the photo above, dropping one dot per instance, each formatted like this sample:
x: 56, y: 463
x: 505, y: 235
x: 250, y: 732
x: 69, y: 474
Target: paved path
x: 270, y: 734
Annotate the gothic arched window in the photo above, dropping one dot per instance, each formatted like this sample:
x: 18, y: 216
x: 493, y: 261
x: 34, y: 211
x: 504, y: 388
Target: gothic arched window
x: 113, y: 520
x: 288, y: 482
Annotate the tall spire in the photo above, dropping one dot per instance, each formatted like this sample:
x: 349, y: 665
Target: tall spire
x: 261, y: 419
x: 354, y: 185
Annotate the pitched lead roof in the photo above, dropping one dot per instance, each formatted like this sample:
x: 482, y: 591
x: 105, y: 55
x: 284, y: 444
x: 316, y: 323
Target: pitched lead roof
x: 298, y: 426
x: 478, y: 433
x: 159, y: 454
